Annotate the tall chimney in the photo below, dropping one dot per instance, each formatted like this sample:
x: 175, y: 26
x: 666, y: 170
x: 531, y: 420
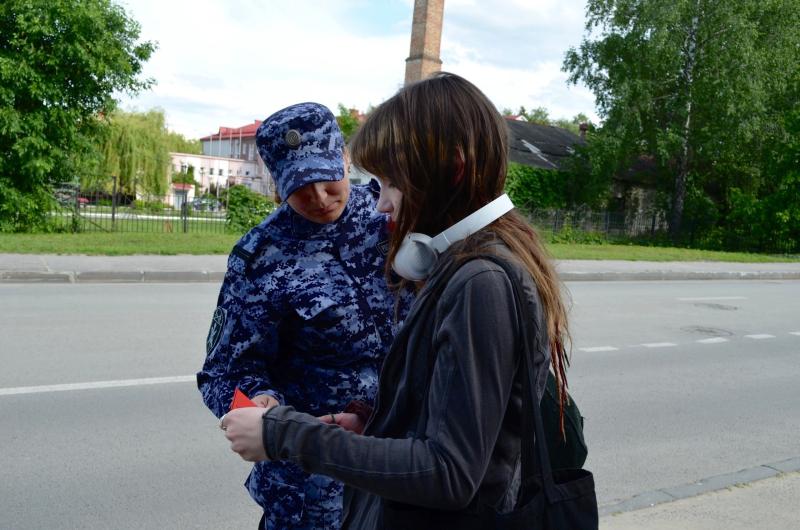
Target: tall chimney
x: 426, y: 38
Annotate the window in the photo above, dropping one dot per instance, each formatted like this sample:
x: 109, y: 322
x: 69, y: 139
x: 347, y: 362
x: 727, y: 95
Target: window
x: 220, y: 172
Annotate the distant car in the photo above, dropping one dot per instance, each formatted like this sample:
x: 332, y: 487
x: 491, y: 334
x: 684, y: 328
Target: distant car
x: 206, y: 204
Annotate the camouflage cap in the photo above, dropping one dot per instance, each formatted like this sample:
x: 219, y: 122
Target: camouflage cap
x: 301, y: 144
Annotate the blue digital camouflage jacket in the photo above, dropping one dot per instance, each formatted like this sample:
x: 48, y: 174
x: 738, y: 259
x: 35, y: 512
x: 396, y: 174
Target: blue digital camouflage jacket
x: 305, y: 314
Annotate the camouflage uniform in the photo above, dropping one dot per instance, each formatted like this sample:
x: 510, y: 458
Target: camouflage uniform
x: 305, y: 315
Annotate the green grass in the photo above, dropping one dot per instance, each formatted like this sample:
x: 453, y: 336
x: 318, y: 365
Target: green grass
x: 118, y: 244
x: 645, y: 253
x: 127, y: 243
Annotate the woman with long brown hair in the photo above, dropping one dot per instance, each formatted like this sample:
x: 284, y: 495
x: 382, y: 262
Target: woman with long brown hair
x: 442, y: 447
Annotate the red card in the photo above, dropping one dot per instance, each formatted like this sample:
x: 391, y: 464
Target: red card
x: 240, y: 400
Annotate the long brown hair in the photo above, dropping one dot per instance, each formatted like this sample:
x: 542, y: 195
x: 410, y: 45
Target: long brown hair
x: 443, y: 144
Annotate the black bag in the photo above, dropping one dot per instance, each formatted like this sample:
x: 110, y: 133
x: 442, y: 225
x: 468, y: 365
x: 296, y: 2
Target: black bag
x: 548, y: 500
x: 570, y: 450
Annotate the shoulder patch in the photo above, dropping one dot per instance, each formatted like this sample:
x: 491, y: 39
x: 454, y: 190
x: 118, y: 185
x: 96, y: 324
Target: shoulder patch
x: 242, y: 253
x: 215, y: 331
x: 383, y: 247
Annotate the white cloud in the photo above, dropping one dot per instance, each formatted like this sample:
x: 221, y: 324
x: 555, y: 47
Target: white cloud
x: 228, y: 63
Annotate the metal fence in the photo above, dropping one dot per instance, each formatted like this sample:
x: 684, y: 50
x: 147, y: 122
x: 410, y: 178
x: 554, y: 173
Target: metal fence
x: 607, y: 225
x: 101, y: 211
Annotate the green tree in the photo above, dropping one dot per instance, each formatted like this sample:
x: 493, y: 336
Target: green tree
x: 135, y: 148
x: 60, y: 63
x: 178, y: 143
x: 347, y: 122
x: 538, y: 115
x: 690, y: 82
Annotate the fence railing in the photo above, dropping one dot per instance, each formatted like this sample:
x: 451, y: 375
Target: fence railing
x: 609, y: 225
x: 101, y: 211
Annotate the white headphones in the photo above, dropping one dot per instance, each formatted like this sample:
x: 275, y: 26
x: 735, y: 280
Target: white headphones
x: 418, y: 253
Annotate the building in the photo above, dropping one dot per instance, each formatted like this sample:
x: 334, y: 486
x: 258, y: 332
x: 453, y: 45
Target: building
x: 232, y: 151
x: 537, y: 145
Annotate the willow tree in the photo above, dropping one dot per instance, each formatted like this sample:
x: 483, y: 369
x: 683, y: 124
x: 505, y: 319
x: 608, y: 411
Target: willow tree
x: 134, y: 148
x: 691, y: 84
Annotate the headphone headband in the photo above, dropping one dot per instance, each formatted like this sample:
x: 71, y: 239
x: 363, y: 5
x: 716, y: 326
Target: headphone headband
x: 472, y: 223
x: 418, y: 253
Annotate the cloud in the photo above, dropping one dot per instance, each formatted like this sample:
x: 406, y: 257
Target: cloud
x: 228, y: 63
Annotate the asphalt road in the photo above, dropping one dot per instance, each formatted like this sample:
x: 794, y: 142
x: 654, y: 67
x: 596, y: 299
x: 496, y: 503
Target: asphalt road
x: 662, y: 408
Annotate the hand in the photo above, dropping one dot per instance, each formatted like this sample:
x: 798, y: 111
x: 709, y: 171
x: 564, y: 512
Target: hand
x: 265, y: 401
x: 243, y: 428
x: 345, y: 420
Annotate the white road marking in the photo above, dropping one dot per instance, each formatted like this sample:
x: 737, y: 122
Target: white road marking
x: 699, y: 298
x: 760, y: 336
x: 14, y: 391
x: 598, y: 348
x: 795, y: 333
x: 713, y: 340
x: 658, y: 344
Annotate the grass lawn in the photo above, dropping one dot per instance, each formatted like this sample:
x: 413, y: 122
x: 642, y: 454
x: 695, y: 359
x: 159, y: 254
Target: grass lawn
x: 644, y: 253
x: 118, y: 244
x: 126, y: 243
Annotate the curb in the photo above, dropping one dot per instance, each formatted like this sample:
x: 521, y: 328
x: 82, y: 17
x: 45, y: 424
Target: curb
x: 677, y: 276
x: 649, y: 499
x: 112, y: 277
x: 166, y: 276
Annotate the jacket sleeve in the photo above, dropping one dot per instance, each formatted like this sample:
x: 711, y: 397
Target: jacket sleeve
x: 472, y: 380
x: 242, y: 340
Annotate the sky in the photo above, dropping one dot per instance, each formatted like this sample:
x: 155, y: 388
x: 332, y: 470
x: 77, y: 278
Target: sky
x: 231, y: 62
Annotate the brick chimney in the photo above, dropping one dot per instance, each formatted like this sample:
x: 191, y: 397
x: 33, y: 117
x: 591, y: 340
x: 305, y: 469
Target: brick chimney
x: 583, y: 127
x: 426, y: 38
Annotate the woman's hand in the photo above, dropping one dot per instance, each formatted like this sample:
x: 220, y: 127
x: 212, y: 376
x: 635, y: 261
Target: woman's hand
x: 243, y: 428
x: 345, y: 420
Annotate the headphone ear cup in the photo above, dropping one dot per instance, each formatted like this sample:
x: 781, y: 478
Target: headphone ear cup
x: 416, y: 258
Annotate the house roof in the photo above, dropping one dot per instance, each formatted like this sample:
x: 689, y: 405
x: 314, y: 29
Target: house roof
x: 537, y: 145
x: 245, y: 131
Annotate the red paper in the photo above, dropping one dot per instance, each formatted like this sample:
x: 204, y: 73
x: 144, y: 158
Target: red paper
x: 240, y: 400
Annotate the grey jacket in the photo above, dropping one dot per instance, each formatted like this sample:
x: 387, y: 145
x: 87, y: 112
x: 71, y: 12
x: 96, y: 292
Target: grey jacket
x: 445, y: 433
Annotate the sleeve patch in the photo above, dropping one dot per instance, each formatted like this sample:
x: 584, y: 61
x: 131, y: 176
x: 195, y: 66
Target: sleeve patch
x: 215, y: 331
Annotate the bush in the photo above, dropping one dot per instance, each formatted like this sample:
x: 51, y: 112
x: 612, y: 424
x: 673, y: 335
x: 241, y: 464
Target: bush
x: 574, y: 235
x: 531, y: 187
x: 25, y: 211
x: 246, y: 208
x: 148, y: 206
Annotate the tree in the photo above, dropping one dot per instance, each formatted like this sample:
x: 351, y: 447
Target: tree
x: 348, y: 123
x: 134, y: 147
x: 538, y: 115
x: 690, y: 82
x: 60, y: 63
x: 178, y: 143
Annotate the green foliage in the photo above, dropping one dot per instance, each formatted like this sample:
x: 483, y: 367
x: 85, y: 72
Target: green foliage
x: 571, y: 235
x: 177, y: 143
x: 530, y: 187
x: 185, y: 178
x: 148, y: 206
x: 24, y: 211
x: 538, y: 115
x: 135, y: 148
x: 246, y: 208
x: 701, y: 86
x: 347, y: 122
x: 587, y: 173
x: 60, y: 63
